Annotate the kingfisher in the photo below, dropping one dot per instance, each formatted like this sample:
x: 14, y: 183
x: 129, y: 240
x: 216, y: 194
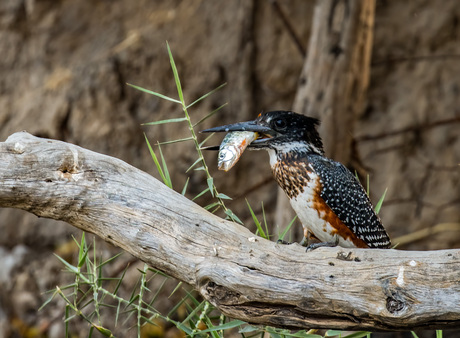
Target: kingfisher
x: 328, y: 199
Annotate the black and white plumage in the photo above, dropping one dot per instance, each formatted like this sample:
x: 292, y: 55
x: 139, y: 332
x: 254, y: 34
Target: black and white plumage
x: 346, y: 197
x: 328, y: 199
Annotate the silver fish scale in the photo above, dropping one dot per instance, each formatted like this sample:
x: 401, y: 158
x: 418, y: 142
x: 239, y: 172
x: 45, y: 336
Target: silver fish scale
x: 347, y: 198
x: 232, y: 147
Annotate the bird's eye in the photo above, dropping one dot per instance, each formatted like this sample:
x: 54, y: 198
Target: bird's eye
x: 280, y: 124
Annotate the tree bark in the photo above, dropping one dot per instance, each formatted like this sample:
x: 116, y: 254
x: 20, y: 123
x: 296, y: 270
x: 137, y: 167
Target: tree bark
x: 335, y: 78
x: 245, y: 276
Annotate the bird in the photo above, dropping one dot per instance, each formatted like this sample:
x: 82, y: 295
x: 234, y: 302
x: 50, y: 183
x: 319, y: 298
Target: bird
x: 328, y: 199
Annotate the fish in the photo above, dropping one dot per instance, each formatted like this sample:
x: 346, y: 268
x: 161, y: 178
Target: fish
x: 232, y: 147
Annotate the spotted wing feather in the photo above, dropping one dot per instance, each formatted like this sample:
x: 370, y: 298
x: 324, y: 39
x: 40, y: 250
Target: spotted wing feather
x: 343, y: 193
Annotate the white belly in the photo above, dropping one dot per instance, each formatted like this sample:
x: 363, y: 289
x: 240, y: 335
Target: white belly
x: 311, y: 219
x: 303, y: 203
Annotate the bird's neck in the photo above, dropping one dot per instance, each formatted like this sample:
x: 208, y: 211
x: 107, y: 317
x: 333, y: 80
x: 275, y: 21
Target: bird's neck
x: 292, y: 152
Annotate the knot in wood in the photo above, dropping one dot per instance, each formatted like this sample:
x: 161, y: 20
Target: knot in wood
x: 395, y: 305
x: 220, y: 294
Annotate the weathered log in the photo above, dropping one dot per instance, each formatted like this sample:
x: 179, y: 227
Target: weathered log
x: 245, y: 276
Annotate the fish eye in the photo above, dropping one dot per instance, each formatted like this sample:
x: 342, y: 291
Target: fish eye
x: 280, y: 124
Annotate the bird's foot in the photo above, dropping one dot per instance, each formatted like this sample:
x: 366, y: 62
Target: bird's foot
x: 304, y: 242
x: 331, y: 244
x: 308, y: 236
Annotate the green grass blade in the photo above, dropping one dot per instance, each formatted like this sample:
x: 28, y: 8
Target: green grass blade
x: 210, y: 206
x: 91, y: 330
x: 117, y: 314
x: 120, y: 280
x: 217, y: 208
x: 176, y: 141
x: 154, y: 93
x: 177, y: 306
x: 145, y: 319
x: 157, y: 293
x: 248, y: 328
x: 184, y: 189
x: 165, y: 168
x: 180, y: 326
x: 200, y: 194
x: 414, y: 334
x: 265, y: 222
x: 223, y: 196
x: 281, y: 333
x: 176, y: 75
x: 70, y: 318
x: 206, y: 139
x: 359, y: 334
x: 283, y: 234
x: 202, y: 168
x: 158, y: 272
x: 110, y: 259
x: 82, y: 252
x: 256, y: 221
x: 66, y: 316
x: 105, y: 332
x: 155, y: 159
x: 378, y: 206
x: 81, y: 245
x: 210, y: 114
x: 210, y: 182
x: 69, y: 266
x: 194, y: 164
x: 48, y: 300
x: 179, y: 119
x: 226, y: 326
x: 194, y: 312
x: 206, y: 95
x: 178, y: 286
x: 232, y: 216
x: 438, y: 333
x: 273, y: 333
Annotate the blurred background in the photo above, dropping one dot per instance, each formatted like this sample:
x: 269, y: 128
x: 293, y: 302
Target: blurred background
x: 64, y: 66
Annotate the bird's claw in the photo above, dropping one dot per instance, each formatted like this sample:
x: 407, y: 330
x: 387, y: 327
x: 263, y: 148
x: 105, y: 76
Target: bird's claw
x: 331, y: 244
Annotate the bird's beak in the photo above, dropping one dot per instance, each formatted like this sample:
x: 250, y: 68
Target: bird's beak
x: 240, y: 126
x: 264, y: 133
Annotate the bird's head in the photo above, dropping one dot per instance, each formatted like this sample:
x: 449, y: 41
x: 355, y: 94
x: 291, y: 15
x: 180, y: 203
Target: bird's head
x: 282, y: 131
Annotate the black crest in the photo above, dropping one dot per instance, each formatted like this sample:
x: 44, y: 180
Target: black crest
x: 292, y: 127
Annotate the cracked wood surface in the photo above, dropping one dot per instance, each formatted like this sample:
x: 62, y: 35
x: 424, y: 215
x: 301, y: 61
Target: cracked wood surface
x: 245, y: 276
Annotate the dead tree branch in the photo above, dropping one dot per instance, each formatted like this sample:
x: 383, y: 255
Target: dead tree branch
x: 245, y: 276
